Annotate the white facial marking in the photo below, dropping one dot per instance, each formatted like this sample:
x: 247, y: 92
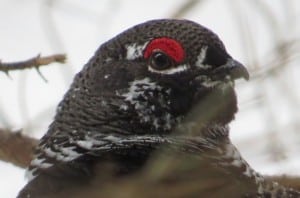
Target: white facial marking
x: 206, y: 82
x: 135, y: 51
x: 173, y: 70
x: 200, y: 59
x: 210, y: 83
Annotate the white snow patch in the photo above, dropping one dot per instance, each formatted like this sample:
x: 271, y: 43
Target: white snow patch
x: 65, y: 154
x: 40, y: 163
x: 85, y: 144
x: 64, y: 158
x: 48, y: 152
x: 70, y: 152
x: 112, y: 138
x: 94, y: 139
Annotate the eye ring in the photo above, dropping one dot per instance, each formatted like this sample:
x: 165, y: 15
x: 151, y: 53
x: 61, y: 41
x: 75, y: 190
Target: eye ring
x: 160, y: 61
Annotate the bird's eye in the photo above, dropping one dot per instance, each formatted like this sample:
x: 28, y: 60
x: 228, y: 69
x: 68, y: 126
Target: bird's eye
x: 160, y: 61
x: 164, y: 53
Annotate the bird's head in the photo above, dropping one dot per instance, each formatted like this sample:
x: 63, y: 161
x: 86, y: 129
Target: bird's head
x: 154, y: 73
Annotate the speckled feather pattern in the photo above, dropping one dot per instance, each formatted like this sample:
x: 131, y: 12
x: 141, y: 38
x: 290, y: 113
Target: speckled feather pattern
x: 120, y: 107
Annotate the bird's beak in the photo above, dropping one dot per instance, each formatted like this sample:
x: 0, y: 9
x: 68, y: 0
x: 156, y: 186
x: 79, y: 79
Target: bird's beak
x: 234, y: 69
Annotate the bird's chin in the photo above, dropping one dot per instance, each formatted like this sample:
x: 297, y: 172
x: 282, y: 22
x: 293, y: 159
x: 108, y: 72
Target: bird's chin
x: 203, y: 82
x: 225, y: 86
x: 220, y: 85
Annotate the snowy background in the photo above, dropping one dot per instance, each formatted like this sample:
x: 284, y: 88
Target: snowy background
x: 264, y: 35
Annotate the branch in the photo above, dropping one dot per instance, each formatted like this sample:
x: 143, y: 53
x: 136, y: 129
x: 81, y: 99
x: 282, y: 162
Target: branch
x: 34, y: 62
x: 16, y: 148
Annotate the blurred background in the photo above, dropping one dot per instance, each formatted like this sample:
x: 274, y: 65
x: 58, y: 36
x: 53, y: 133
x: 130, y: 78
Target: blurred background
x: 262, y: 34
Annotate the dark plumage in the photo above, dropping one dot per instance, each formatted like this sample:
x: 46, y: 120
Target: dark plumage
x: 161, y: 83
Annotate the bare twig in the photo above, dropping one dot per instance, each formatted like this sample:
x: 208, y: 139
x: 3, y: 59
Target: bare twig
x: 34, y: 62
x: 16, y: 148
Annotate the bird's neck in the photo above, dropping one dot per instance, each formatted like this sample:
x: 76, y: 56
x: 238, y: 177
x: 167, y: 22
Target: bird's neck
x: 142, y: 114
